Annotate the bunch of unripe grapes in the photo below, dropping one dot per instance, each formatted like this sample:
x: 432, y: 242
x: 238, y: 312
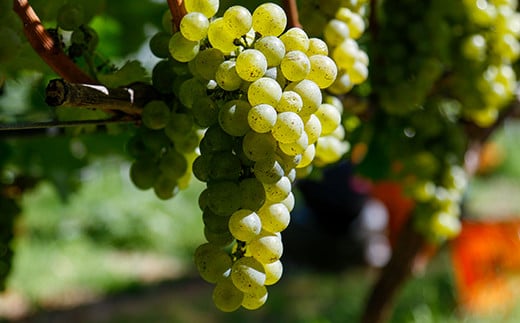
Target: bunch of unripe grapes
x: 256, y: 90
x: 72, y: 17
x: 489, y: 48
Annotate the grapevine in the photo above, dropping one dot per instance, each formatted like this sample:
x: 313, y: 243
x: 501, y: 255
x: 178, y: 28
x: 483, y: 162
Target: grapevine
x: 251, y: 101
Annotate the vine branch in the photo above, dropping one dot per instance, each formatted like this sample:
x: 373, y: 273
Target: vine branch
x: 291, y: 9
x: 21, y: 126
x: 178, y: 11
x: 47, y: 47
x: 128, y: 100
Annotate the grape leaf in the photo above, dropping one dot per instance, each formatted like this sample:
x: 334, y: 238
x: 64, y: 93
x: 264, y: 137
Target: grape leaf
x: 130, y: 73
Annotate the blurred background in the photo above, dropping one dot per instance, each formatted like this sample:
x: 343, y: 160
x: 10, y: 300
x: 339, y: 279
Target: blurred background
x: 112, y: 253
x: 90, y: 247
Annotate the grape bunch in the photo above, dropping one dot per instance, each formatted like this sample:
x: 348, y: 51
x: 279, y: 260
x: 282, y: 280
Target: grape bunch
x: 256, y: 91
x: 463, y: 74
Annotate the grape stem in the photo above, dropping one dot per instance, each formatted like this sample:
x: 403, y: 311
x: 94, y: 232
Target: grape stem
x: 178, y: 11
x: 128, y: 100
x: 46, y: 47
x: 291, y: 9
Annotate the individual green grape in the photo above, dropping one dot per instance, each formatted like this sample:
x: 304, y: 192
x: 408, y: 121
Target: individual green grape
x: 289, y: 201
x: 310, y: 94
x: 323, y: 71
x: 166, y: 21
x: 313, y: 128
x: 297, y: 147
x: 288, y: 127
x: 287, y: 162
x: 251, y: 65
x: 295, y: 66
x: 291, y: 175
x: 165, y: 187
x: 219, y: 238
x: 194, y: 26
x: 275, y: 217
x: 268, y: 170
x: 341, y: 85
x: 223, y: 197
x: 257, y: 146
x: 226, y: 296
x: 179, y: 126
x: 264, y: 90
x: 144, y: 173
x: 233, y: 117
x: 354, y: 21
x: 335, y: 32
x: 182, y: 49
x: 272, y: 48
x: 216, y: 139
x: 204, y: 111
x: 329, y: 118
x: 262, y: 118
x: 88, y: 38
x: 256, y: 300
x: 278, y: 191
x: 238, y: 20
x: 155, y: 114
x: 266, y: 248
x: 220, y: 38
x: 189, y: 90
x: 173, y: 164
x: 248, y: 275
x: 252, y: 194
x: 290, y: 101
x: 207, y: 7
x: 214, y: 222
x: 208, y: 61
x: 159, y: 44
x: 244, y: 225
x: 162, y: 77
x: 155, y: 141
x: 269, y: 19
x: 273, y: 272
x: 212, y: 262
x: 225, y: 166
x: 70, y: 16
x: 358, y: 73
x: 346, y: 53
x: 295, y: 39
x: 317, y: 47
x: 227, y: 77
x: 329, y: 149
x: 201, y: 167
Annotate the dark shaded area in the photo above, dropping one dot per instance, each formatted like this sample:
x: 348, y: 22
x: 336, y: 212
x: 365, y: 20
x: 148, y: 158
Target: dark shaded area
x: 323, y: 230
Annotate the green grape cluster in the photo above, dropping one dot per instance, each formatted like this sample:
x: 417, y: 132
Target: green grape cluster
x: 462, y: 74
x: 163, y: 150
x: 488, y: 48
x: 256, y: 88
x: 73, y: 17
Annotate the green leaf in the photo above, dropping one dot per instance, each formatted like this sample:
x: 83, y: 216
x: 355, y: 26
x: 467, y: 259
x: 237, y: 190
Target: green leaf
x: 130, y: 73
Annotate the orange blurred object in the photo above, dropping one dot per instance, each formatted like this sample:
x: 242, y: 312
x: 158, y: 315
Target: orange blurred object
x: 486, y: 260
x: 398, y: 205
x: 491, y: 156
